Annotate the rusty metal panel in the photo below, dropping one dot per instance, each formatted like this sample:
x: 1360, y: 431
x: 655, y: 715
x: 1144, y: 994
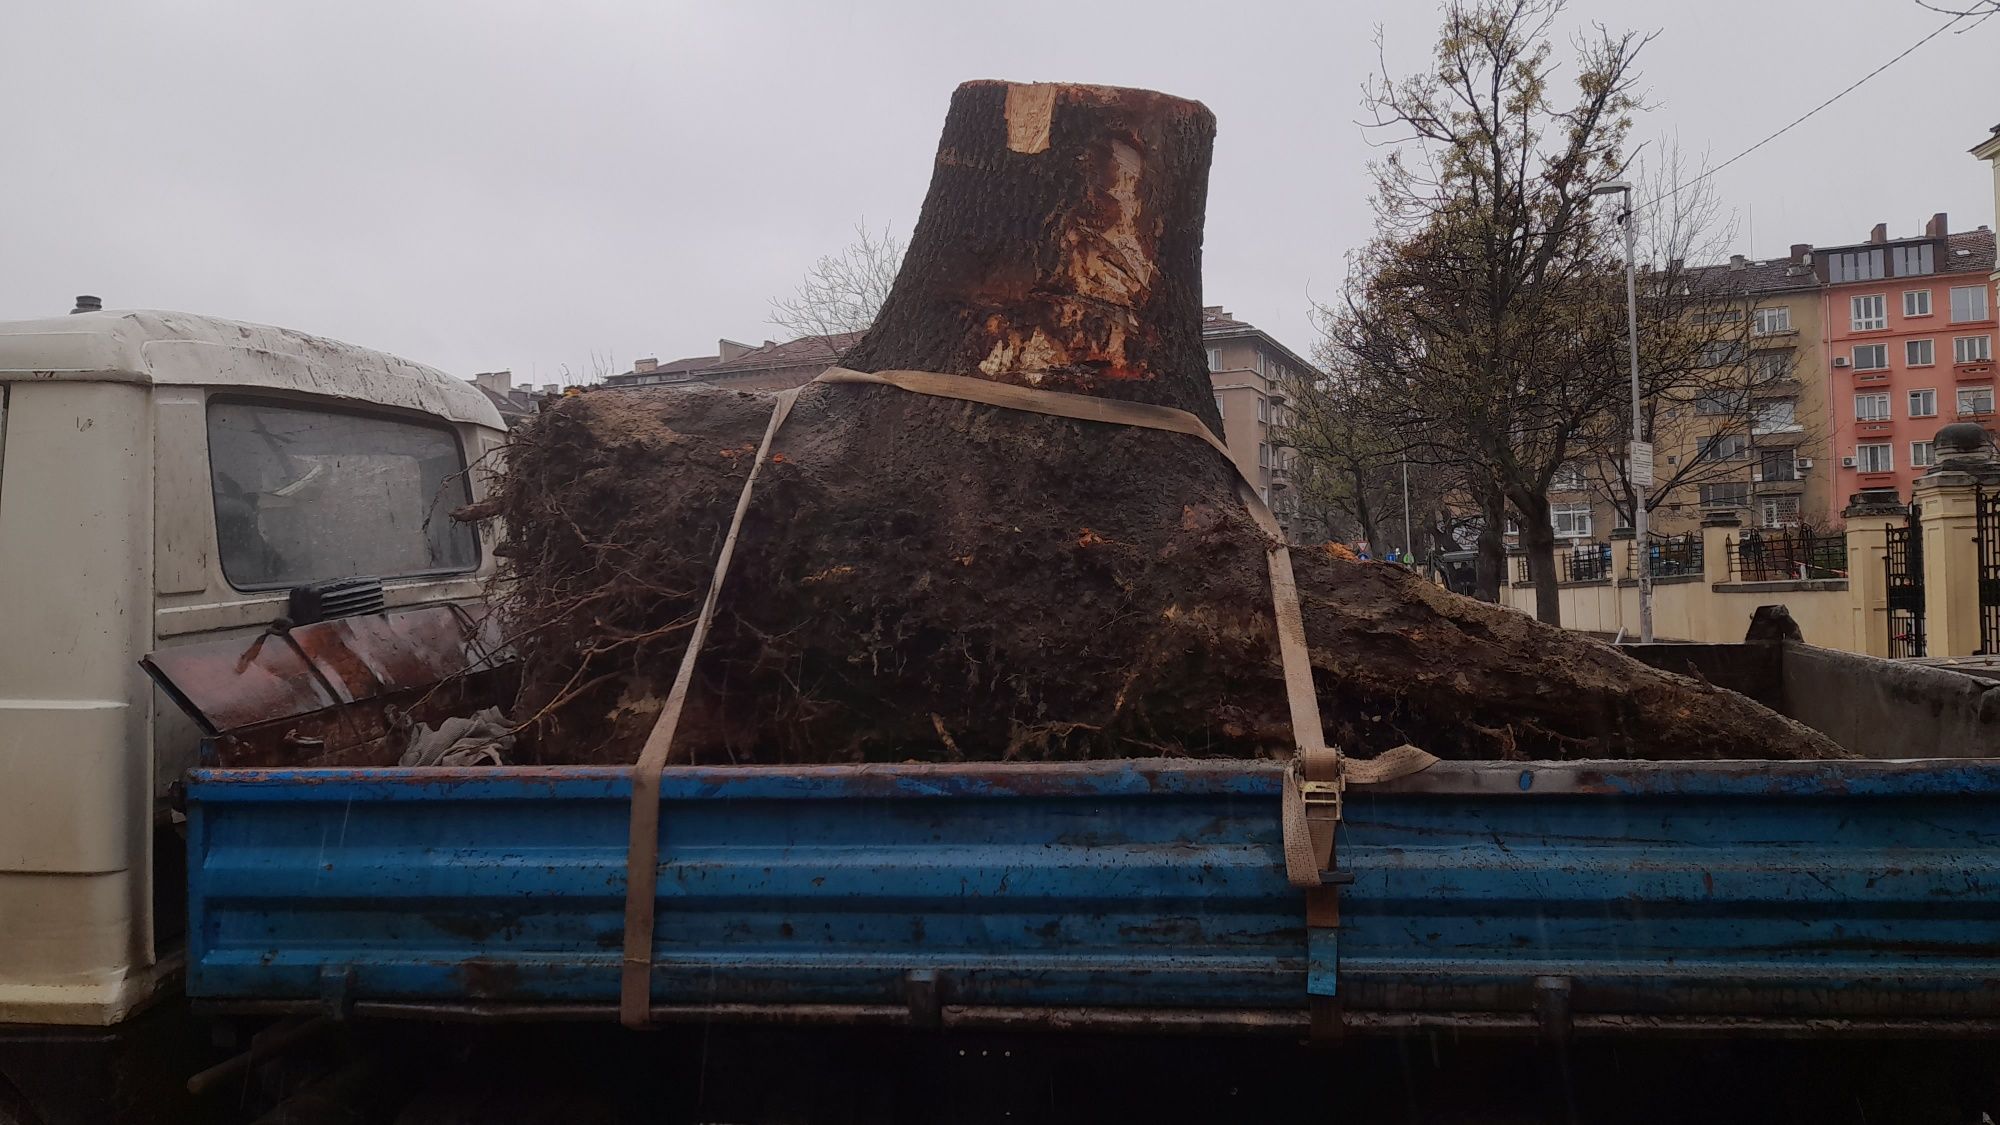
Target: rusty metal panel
x: 318, y: 694
x: 1698, y: 895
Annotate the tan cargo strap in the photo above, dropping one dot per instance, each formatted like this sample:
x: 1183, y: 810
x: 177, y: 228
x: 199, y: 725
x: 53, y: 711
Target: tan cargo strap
x: 642, y: 849
x: 1314, y: 783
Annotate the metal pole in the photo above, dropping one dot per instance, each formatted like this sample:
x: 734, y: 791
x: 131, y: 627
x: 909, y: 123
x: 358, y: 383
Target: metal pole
x: 1408, y: 546
x: 1639, y: 538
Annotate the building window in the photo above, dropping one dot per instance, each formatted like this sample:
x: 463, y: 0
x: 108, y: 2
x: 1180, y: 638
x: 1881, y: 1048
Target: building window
x: 1723, y: 353
x: 1919, y: 353
x: 1778, y: 511
x: 1855, y: 265
x: 1218, y: 402
x: 1263, y: 409
x: 1923, y: 403
x: 1871, y: 357
x: 1263, y: 455
x: 1922, y: 454
x: 1569, y: 478
x: 1734, y: 494
x: 1868, y: 313
x: 1572, y: 521
x: 1725, y: 447
x: 1769, y: 367
x: 1776, y: 414
x: 1777, y: 465
x: 1872, y: 408
x: 1719, y: 402
x: 1910, y: 261
x: 1917, y: 302
x: 1972, y: 349
x: 1775, y: 319
x: 1968, y: 302
x: 1215, y: 359
x: 1974, y: 401
x: 1873, y: 458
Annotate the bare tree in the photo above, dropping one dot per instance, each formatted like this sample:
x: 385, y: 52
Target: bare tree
x: 842, y: 292
x: 1350, y: 476
x: 1718, y: 375
x: 1482, y: 314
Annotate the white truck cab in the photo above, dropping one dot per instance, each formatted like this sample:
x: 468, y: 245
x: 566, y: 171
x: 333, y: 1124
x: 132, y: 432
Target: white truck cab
x: 164, y: 479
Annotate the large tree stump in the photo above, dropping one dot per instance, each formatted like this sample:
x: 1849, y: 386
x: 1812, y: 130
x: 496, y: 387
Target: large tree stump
x: 926, y: 578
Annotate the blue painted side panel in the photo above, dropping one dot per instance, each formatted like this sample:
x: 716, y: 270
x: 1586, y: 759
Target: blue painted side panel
x: 1741, y: 889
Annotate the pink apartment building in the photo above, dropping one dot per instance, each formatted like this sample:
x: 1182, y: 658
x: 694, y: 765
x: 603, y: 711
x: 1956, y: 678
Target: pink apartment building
x: 1909, y: 326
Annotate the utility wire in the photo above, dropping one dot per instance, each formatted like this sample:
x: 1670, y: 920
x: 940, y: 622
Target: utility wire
x: 1800, y: 119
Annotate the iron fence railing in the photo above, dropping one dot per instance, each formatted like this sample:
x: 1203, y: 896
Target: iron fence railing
x: 1904, y: 560
x: 1788, y: 553
x: 1668, y: 556
x: 1586, y: 562
x: 1582, y: 562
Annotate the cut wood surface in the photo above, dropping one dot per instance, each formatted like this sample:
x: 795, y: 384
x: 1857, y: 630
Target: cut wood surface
x: 924, y: 578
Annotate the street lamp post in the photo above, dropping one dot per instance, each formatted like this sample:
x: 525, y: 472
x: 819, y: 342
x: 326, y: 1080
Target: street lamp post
x: 1639, y: 457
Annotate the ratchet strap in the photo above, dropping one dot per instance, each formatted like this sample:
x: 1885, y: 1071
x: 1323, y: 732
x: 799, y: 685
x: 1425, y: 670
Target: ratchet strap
x: 1315, y: 781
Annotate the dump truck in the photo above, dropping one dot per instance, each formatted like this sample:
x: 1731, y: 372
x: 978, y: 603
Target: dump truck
x: 224, y: 546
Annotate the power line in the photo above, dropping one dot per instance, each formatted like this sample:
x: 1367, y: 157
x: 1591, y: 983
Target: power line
x: 1801, y: 118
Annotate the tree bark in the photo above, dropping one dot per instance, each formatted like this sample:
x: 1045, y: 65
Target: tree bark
x: 1059, y: 247
x: 1538, y: 537
x: 1490, y: 569
x: 1363, y: 514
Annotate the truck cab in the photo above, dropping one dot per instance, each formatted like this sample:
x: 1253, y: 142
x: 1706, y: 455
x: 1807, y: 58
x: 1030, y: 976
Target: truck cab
x: 167, y: 479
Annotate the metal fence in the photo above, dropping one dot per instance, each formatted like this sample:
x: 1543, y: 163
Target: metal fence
x: 1668, y: 556
x: 1905, y: 561
x: 1987, y: 535
x: 1583, y: 562
x: 1586, y: 562
x: 1788, y: 553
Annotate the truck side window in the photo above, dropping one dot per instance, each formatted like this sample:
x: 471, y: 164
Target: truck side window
x: 305, y: 495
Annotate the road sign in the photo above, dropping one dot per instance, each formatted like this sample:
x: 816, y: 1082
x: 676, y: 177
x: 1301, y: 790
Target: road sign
x: 1642, y: 464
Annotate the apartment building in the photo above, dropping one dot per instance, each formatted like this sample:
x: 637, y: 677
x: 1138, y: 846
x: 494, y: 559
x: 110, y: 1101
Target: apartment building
x: 1249, y: 371
x: 1909, y: 328
x: 1750, y: 443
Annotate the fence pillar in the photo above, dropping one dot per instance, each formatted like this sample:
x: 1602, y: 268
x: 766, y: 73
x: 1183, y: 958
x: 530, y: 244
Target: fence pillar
x: 1869, y: 515
x: 1718, y: 535
x: 1948, y: 495
x: 1624, y: 579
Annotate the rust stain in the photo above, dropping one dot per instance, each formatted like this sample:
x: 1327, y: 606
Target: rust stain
x: 490, y: 980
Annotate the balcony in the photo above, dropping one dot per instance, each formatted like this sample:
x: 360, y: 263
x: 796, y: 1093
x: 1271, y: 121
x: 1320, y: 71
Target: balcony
x: 1975, y: 413
x: 1978, y: 371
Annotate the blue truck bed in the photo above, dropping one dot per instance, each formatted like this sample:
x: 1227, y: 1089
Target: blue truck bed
x: 1810, y: 898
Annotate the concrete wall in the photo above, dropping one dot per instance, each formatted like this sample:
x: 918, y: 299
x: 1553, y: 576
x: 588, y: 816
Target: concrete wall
x: 1693, y: 609
x: 1891, y: 709
x: 1876, y: 708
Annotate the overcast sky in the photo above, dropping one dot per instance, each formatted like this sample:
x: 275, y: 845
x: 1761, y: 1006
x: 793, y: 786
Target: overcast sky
x: 513, y: 184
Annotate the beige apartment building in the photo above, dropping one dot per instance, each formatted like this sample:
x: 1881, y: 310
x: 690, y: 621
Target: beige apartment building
x: 1249, y: 371
x: 1760, y: 452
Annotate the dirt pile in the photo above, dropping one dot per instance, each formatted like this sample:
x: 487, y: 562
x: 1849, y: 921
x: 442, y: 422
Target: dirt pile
x: 918, y: 578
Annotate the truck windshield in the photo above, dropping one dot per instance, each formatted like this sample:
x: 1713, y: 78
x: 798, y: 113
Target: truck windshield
x: 305, y: 495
